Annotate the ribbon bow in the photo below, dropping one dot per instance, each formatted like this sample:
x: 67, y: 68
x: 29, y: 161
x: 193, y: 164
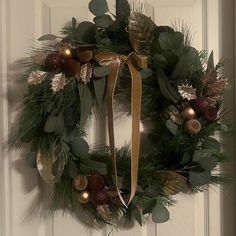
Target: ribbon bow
x: 135, y: 62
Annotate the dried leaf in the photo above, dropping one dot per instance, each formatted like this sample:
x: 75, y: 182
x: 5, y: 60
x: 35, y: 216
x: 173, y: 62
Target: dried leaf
x: 187, y: 92
x: 50, y: 167
x: 171, y: 181
x: 209, y: 78
x: 217, y: 88
x: 140, y: 29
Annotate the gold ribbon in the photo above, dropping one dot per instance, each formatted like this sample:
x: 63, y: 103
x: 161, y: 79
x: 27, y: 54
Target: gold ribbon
x: 135, y: 62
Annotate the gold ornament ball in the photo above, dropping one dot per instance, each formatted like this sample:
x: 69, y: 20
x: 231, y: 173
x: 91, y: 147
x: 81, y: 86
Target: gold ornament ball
x: 188, y: 113
x: 80, y: 182
x: 84, y: 196
x: 193, y: 126
x: 66, y: 51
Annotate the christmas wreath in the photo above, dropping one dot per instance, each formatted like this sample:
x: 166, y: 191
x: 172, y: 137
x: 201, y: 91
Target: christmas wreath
x: 157, y: 77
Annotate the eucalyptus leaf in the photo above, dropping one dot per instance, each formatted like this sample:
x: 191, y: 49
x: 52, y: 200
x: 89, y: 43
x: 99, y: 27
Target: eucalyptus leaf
x: 189, y: 62
x: 47, y: 37
x: 99, y: 88
x: 71, y: 135
x: 154, y: 189
x: 160, y: 59
x: 79, y: 147
x: 197, y: 178
x: 31, y: 159
x: 122, y: 9
x: 59, y: 127
x: 146, y: 73
x: 208, y: 163
x: 166, y: 88
x: 172, y: 127
x: 49, y: 107
x: 199, y: 154
x: 160, y: 214
x: 211, y: 143
x: 86, y: 103
x: 101, y: 71
x: 86, y: 31
x: 98, y: 7
x: 186, y: 158
x: 210, y: 62
x: 89, y: 166
x: 148, y: 206
x: 103, y: 21
x: 50, y: 124
x: 169, y: 41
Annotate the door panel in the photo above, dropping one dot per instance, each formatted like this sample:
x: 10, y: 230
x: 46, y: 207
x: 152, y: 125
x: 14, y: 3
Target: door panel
x: 23, y: 197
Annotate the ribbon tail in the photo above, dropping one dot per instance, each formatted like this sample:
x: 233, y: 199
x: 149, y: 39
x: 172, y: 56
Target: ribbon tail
x: 136, y: 113
x: 111, y: 84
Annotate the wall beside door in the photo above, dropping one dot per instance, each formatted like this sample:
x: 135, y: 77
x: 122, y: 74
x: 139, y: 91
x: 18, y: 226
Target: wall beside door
x: 23, y: 197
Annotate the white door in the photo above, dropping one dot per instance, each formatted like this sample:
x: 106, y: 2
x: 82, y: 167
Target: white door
x: 22, y: 195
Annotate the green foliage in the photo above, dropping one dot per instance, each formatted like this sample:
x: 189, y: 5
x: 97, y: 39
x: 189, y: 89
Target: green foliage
x: 122, y: 10
x: 31, y: 159
x: 100, y: 89
x: 103, y: 21
x: 160, y: 214
x: 86, y: 105
x: 98, y: 7
x: 86, y: 32
x: 47, y: 37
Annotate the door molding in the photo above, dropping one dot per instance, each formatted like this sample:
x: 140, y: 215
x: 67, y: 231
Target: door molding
x: 5, y: 165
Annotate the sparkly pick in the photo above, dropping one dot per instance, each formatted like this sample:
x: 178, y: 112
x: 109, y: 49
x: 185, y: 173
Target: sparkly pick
x: 85, y: 73
x: 187, y: 92
x: 36, y: 77
x: 58, y: 82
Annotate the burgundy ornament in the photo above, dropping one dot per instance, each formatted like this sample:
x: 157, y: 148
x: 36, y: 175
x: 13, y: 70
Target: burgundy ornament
x: 95, y: 182
x: 100, y: 197
x: 200, y: 104
x: 53, y: 61
x: 210, y: 114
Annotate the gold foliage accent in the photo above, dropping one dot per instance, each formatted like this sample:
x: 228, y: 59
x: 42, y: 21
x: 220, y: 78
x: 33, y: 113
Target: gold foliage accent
x: 140, y: 29
x: 171, y: 181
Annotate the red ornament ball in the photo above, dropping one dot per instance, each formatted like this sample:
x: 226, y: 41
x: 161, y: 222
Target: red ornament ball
x: 100, y: 197
x: 200, y: 104
x: 95, y: 182
x: 210, y: 114
x: 71, y: 67
x: 53, y: 61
